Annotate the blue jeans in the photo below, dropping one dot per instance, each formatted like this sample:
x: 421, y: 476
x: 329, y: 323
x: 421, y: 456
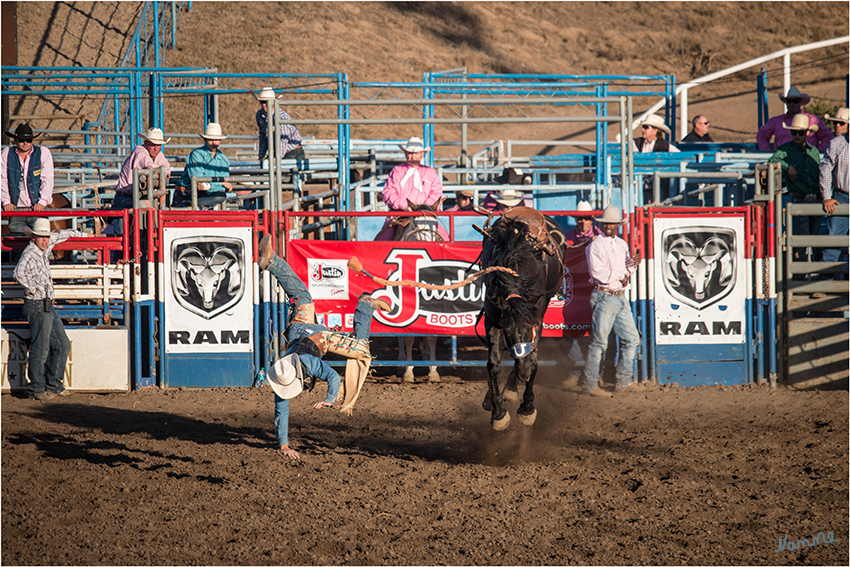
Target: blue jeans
x: 611, y: 312
x: 836, y: 224
x: 49, y: 348
x: 295, y: 288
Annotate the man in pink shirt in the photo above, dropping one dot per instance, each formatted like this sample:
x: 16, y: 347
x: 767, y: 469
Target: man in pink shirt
x: 794, y: 101
x: 26, y: 178
x: 610, y: 268
x: 411, y: 185
x: 147, y: 156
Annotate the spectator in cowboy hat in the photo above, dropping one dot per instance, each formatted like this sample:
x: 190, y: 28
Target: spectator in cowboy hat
x: 206, y: 161
x: 651, y: 140
x: 580, y: 236
x: 800, y: 162
x: 509, y: 176
x: 464, y: 201
x: 412, y: 186
x: 835, y: 182
x: 610, y: 267
x: 26, y: 177
x: 794, y: 101
x: 290, y: 138
x: 146, y: 156
x: 508, y: 199
x: 49, y: 344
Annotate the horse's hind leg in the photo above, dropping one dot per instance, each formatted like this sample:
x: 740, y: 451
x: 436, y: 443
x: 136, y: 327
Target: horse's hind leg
x: 405, y: 352
x: 431, y: 343
x: 527, y: 413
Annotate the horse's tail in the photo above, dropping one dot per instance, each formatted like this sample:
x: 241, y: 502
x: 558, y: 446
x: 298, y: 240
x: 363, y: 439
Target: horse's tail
x: 357, y: 266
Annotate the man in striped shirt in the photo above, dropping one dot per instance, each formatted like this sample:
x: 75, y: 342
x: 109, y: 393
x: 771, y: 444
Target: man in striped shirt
x: 49, y: 345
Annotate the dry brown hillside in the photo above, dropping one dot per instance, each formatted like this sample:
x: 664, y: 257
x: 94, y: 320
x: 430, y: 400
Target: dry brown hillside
x: 398, y: 41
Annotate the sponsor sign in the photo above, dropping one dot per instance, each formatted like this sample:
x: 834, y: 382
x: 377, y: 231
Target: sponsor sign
x: 700, y: 280
x: 335, y: 288
x: 208, y: 301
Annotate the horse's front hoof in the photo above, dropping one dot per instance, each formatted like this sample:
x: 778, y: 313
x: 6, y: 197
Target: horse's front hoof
x: 433, y: 376
x: 408, y: 377
x: 502, y: 424
x: 511, y: 396
x: 528, y: 419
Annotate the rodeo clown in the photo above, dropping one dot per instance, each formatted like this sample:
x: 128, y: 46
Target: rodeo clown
x: 308, y: 342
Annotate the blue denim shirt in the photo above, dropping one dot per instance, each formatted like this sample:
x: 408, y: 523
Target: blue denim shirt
x: 201, y: 163
x: 317, y: 368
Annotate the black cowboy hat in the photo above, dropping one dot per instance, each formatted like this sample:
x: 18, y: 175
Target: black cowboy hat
x: 23, y: 133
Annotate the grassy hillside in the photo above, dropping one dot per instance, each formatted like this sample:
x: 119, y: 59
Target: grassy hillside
x: 398, y: 41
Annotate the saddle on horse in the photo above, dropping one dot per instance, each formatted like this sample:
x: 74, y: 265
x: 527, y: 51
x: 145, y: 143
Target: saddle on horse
x: 544, y: 232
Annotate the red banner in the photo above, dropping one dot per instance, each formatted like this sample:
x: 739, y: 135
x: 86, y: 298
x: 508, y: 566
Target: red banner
x: 322, y: 265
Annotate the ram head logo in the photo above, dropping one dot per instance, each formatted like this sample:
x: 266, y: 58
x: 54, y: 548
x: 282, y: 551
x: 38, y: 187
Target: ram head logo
x: 699, y: 264
x: 208, y: 274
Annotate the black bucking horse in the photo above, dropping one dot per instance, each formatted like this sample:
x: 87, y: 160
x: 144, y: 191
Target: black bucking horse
x: 532, y: 245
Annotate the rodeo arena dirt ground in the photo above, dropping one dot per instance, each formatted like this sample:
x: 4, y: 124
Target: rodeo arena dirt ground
x: 715, y: 475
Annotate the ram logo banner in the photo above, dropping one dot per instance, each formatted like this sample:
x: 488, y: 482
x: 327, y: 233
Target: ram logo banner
x: 209, y: 307
x: 439, y: 308
x: 699, y: 270
x: 699, y: 264
x: 208, y: 274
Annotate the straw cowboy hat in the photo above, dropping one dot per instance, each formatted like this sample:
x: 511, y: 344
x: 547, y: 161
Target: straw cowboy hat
x: 611, y: 215
x: 41, y: 228
x: 843, y: 115
x: 656, y: 122
x: 794, y: 93
x: 800, y: 122
x: 266, y: 94
x: 584, y: 207
x: 213, y: 132
x: 154, y: 136
x: 286, y: 378
x: 414, y: 146
x: 23, y: 133
x: 509, y: 197
x: 466, y: 193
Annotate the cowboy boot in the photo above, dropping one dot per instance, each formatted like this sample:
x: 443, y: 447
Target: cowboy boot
x: 266, y: 252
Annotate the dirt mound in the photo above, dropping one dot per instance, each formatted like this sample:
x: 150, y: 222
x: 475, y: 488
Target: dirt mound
x: 710, y: 475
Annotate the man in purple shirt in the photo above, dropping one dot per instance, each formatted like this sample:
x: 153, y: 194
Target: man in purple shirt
x: 26, y: 178
x: 147, y: 156
x: 610, y: 269
x: 584, y: 232
x: 794, y: 101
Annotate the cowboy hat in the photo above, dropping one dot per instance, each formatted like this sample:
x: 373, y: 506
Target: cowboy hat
x: 509, y: 197
x: 800, y: 122
x: 40, y: 228
x: 656, y: 122
x: 213, y: 132
x: 414, y: 146
x: 266, y: 94
x: 843, y: 115
x: 583, y: 207
x: 154, y: 136
x: 466, y: 193
x: 794, y: 93
x: 23, y: 133
x: 286, y: 378
x: 611, y: 215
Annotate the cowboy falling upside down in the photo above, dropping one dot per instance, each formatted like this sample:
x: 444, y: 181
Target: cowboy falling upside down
x: 308, y: 343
